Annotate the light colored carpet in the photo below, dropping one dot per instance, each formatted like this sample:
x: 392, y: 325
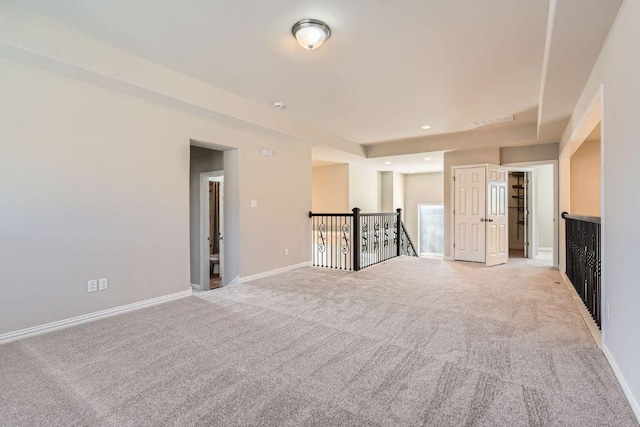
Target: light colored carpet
x: 411, y: 342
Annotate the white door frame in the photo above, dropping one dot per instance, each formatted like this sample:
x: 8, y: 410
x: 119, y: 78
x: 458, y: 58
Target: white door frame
x: 529, y: 166
x: 205, y: 177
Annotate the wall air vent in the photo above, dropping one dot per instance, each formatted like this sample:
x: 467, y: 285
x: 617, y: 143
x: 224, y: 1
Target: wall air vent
x: 492, y: 121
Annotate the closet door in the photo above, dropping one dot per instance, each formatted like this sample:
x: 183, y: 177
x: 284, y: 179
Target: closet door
x: 469, y: 211
x: 497, y: 239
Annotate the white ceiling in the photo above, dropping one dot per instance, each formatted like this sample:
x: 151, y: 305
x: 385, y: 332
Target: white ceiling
x: 388, y: 68
x: 405, y: 164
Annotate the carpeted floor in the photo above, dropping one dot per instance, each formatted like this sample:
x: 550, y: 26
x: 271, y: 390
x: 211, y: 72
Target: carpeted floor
x: 413, y: 342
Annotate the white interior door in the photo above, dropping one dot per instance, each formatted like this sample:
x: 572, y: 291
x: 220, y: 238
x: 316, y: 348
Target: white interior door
x: 221, y: 236
x: 469, y: 211
x: 496, y: 220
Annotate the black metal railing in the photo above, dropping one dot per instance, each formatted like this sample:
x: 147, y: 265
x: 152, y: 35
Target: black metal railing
x: 583, y: 266
x: 353, y: 241
x: 406, y: 245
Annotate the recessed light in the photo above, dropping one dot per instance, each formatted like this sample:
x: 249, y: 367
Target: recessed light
x: 387, y: 163
x: 427, y: 159
x: 425, y: 127
x: 278, y: 105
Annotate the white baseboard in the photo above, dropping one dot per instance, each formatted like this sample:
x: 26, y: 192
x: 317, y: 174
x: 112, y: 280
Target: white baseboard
x: 272, y: 272
x: 626, y: 387
x: 447, y: 258
x: 78, y: 320
x: 544, y: 249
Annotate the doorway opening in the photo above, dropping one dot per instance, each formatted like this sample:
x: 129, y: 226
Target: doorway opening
x: 206, y: 201
x: 519, y: 209
x: 533, y: 230
x: 431, y: 230
x: 212, y: 203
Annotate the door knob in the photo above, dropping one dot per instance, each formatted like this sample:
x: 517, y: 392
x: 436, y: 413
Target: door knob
x: 481, y: 219
x: 489, y: 220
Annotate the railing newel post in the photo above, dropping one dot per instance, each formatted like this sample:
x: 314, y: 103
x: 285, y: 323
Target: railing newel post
x: 356, y: 239
x: 398, y: 230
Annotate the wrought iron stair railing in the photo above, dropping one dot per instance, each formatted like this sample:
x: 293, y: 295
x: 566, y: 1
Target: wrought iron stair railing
x: 353, y: 241
x: 583, y: 264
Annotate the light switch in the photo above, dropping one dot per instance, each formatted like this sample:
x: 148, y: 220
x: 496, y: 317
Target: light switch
x: 103, y: 284
x: 254, y: 203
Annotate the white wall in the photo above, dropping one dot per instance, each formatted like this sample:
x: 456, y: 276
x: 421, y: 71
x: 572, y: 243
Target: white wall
x: 618, y: 68
x: 544, y: 206
x: 96, y: 184
x: 330, y: 192
x: 364, y: 189
x: 420, y: 188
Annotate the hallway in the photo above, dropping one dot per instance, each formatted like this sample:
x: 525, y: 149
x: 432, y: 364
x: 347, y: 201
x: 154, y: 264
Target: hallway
x: 409, y: 342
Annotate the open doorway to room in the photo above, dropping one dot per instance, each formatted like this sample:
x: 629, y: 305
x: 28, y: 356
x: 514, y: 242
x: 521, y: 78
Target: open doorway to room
x: 212, y: 226
x: 533, y: 232
x: 206, y: 224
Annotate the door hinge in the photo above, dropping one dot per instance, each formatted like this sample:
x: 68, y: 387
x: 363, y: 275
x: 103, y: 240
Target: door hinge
x: 454, y: 211
x: 454, y: 246
x: 454, y: 178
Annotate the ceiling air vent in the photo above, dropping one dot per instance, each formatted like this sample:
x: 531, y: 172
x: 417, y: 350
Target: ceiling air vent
x: 492, y: 121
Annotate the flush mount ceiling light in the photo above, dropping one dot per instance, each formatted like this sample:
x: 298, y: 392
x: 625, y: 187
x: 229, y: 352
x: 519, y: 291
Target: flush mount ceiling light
x: 278, y: 105
x: 311, y: 33
x: 425, y: 127
x: 427, y: 158
x: 387, y: 163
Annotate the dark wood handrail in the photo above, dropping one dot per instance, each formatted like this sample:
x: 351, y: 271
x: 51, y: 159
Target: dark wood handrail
x: 585, y: 218
x: 311, y: 214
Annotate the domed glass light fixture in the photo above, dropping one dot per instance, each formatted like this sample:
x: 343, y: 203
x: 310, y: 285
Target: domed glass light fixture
x: 311, y: 33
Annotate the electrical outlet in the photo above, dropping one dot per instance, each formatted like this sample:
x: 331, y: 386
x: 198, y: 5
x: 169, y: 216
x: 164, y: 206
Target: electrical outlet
x: 286, y: 251
x: 254, y: 203
x: 607, y: 311
x: 92, y: 285
x: 103, y: 284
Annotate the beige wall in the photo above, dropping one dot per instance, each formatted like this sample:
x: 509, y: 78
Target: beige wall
x: 364, y: 189
x: 391, y: 191
x: 460, y: 158
x: 386, y: 191
x: 398, y: 191
x: 545, y: 209
x: 617, y: 70
x: 100, y: 188
x: 585, y: 179
x: 529, y: 153
x: 330, y: 192
x: 420, y: 188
